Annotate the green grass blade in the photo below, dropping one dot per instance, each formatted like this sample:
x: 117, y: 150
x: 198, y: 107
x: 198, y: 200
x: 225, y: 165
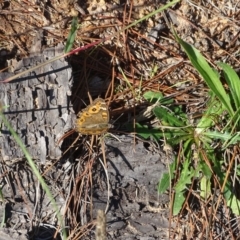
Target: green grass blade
x: 71, y: 35
x: 209, y: 75
x: 233, y: 83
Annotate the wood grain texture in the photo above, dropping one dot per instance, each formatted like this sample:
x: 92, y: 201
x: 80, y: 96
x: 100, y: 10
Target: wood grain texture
x: 37, y: 107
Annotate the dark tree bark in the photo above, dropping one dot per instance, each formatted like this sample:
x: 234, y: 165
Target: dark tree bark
x: 37, y: 107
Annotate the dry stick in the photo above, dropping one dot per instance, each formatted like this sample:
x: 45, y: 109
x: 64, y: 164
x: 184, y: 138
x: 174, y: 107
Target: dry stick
x: 101, y: 225
x: 91, y: 188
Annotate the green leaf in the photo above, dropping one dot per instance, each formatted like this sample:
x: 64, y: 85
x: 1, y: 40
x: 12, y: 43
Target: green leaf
x: 146, y: 133
x: 234, y: 204
x: 167, y: 118
x: 143, y: 131
x: 152, y: 97
x: 165, y: 181
x: 186, y: 176
x: 205, y: 169
x: 218, y: 135
x: 178, y: 202
x: 227, y: 138
x: 185, y: 179
x: 205, y: 187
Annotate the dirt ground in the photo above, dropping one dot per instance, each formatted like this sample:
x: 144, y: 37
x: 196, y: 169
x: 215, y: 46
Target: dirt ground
x: 116, y: 173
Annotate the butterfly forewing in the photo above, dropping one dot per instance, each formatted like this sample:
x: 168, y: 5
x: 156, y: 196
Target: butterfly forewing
x: 94, y: 119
